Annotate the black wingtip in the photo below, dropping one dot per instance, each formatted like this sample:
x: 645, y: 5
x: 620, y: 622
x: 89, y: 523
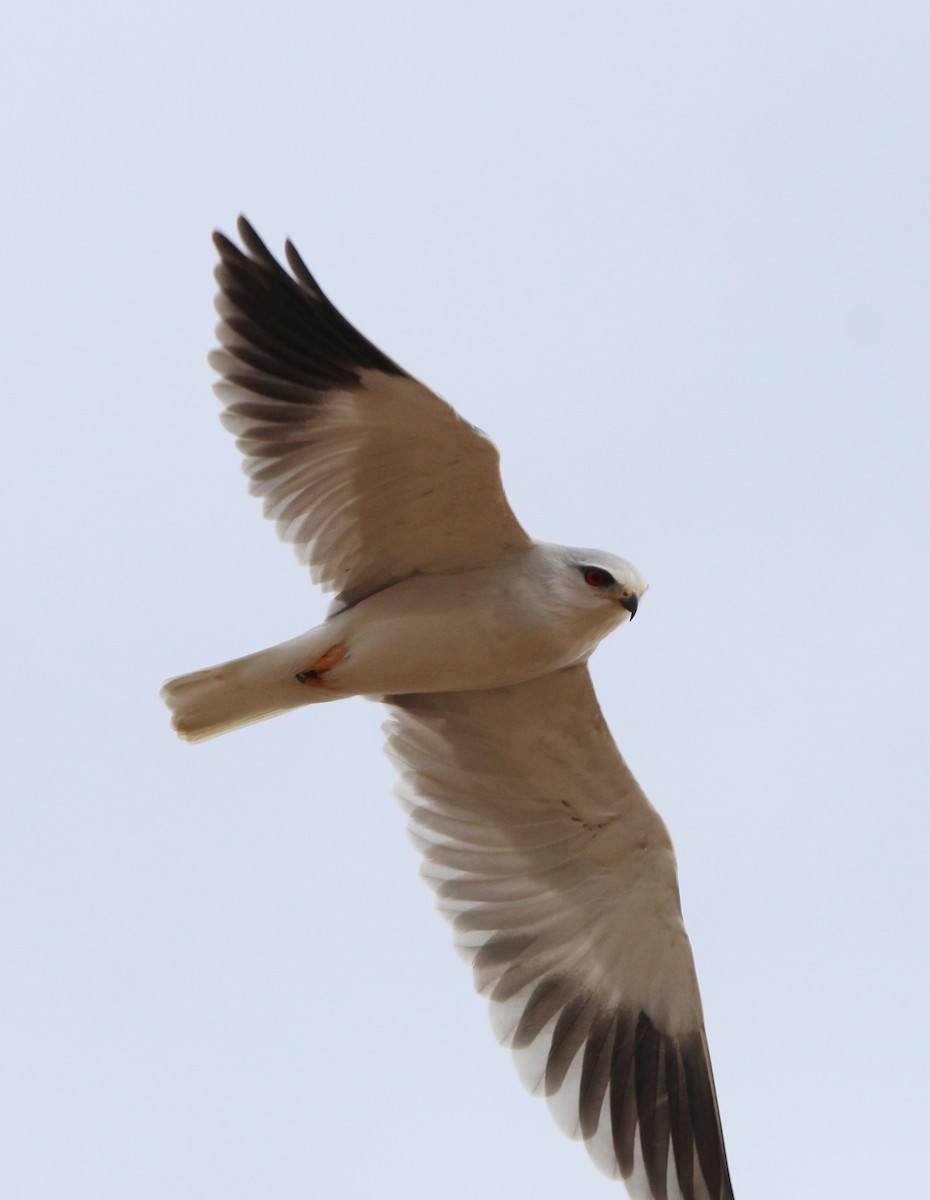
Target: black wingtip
x: 293, y: 305
x: 225, y: 248
x: 257, y: 251
x: 254, y: 244
x: 301, y: 271
x: 255, y: 247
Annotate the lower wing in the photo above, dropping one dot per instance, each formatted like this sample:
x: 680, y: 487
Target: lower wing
x: 560, y: 880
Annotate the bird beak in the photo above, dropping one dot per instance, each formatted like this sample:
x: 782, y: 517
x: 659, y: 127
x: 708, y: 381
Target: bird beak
x: 630, y: 603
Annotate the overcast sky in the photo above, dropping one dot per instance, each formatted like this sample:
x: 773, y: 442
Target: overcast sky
x: 674, y: 258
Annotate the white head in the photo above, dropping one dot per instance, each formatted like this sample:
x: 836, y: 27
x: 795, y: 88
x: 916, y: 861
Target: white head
x: 601, y: 579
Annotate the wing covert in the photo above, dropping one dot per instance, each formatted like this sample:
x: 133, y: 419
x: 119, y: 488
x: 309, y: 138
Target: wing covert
x: 368, y: 473
x: 560, y: 881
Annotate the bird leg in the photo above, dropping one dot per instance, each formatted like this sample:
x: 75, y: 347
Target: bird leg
x: 312, y: 676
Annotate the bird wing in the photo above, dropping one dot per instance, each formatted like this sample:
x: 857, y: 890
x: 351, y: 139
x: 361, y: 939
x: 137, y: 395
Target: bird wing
x: 371, y: 475
x: 560, y: 880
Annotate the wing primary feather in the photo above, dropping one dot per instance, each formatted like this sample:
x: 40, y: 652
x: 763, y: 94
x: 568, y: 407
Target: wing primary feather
x: 287, y: 316
x: 517, y: 977
x: 595, y: 1072
x: 652, y: 1103
x: 569, y: 1035
x: 301, y: 271
x: 253, y: 243
x: 249, y: 332
x: 679, y: 1116
x: 705, y: 1120
x: 498, y: 952
x: 276, y: 366
x: 269, y: 310
x: 243, y: 415
x: 548, y: 997
x: 623, y: 1116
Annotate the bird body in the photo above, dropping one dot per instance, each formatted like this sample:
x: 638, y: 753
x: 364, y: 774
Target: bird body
x: 528, y: 615
x: 556, y: 872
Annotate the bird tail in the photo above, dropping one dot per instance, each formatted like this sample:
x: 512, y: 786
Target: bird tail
x: 218, y: 699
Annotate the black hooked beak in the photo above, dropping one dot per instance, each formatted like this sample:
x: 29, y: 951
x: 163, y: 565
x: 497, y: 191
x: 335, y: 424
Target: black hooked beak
x: 630, y: 603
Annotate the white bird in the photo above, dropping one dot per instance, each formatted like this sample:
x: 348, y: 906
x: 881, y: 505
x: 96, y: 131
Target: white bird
x: 557, y: 873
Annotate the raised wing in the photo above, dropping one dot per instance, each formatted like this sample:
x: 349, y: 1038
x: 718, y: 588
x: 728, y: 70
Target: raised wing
x: 560, y: 880
x: 367, y: 472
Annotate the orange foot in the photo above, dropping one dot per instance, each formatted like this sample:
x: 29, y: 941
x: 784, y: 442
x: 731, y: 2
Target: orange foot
x: 313, y: 675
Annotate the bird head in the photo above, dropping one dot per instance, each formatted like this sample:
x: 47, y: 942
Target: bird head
x: 604, y: 578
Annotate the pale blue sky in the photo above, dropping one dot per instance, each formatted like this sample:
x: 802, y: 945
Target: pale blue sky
x: 674, y: 259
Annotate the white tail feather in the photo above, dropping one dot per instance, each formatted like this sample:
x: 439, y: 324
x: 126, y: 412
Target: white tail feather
x: 218, y: 699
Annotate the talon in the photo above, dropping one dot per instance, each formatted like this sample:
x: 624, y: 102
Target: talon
x: 314, y: 673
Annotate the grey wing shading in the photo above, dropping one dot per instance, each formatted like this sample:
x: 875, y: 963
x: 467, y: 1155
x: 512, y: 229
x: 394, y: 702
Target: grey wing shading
x: 369, y: 474
x: 560, y: 880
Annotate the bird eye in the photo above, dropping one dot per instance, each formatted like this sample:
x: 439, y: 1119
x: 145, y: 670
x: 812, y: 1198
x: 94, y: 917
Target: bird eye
x: 597, y: 577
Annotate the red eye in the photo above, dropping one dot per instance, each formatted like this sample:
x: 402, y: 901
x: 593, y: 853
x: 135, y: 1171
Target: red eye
x: 597, y: 577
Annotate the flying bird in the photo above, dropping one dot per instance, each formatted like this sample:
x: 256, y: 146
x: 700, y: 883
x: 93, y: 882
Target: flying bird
x: 558, y: 875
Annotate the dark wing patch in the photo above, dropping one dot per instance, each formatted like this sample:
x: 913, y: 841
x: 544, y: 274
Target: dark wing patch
x: 290, y: 329
x: 647, y: 1084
